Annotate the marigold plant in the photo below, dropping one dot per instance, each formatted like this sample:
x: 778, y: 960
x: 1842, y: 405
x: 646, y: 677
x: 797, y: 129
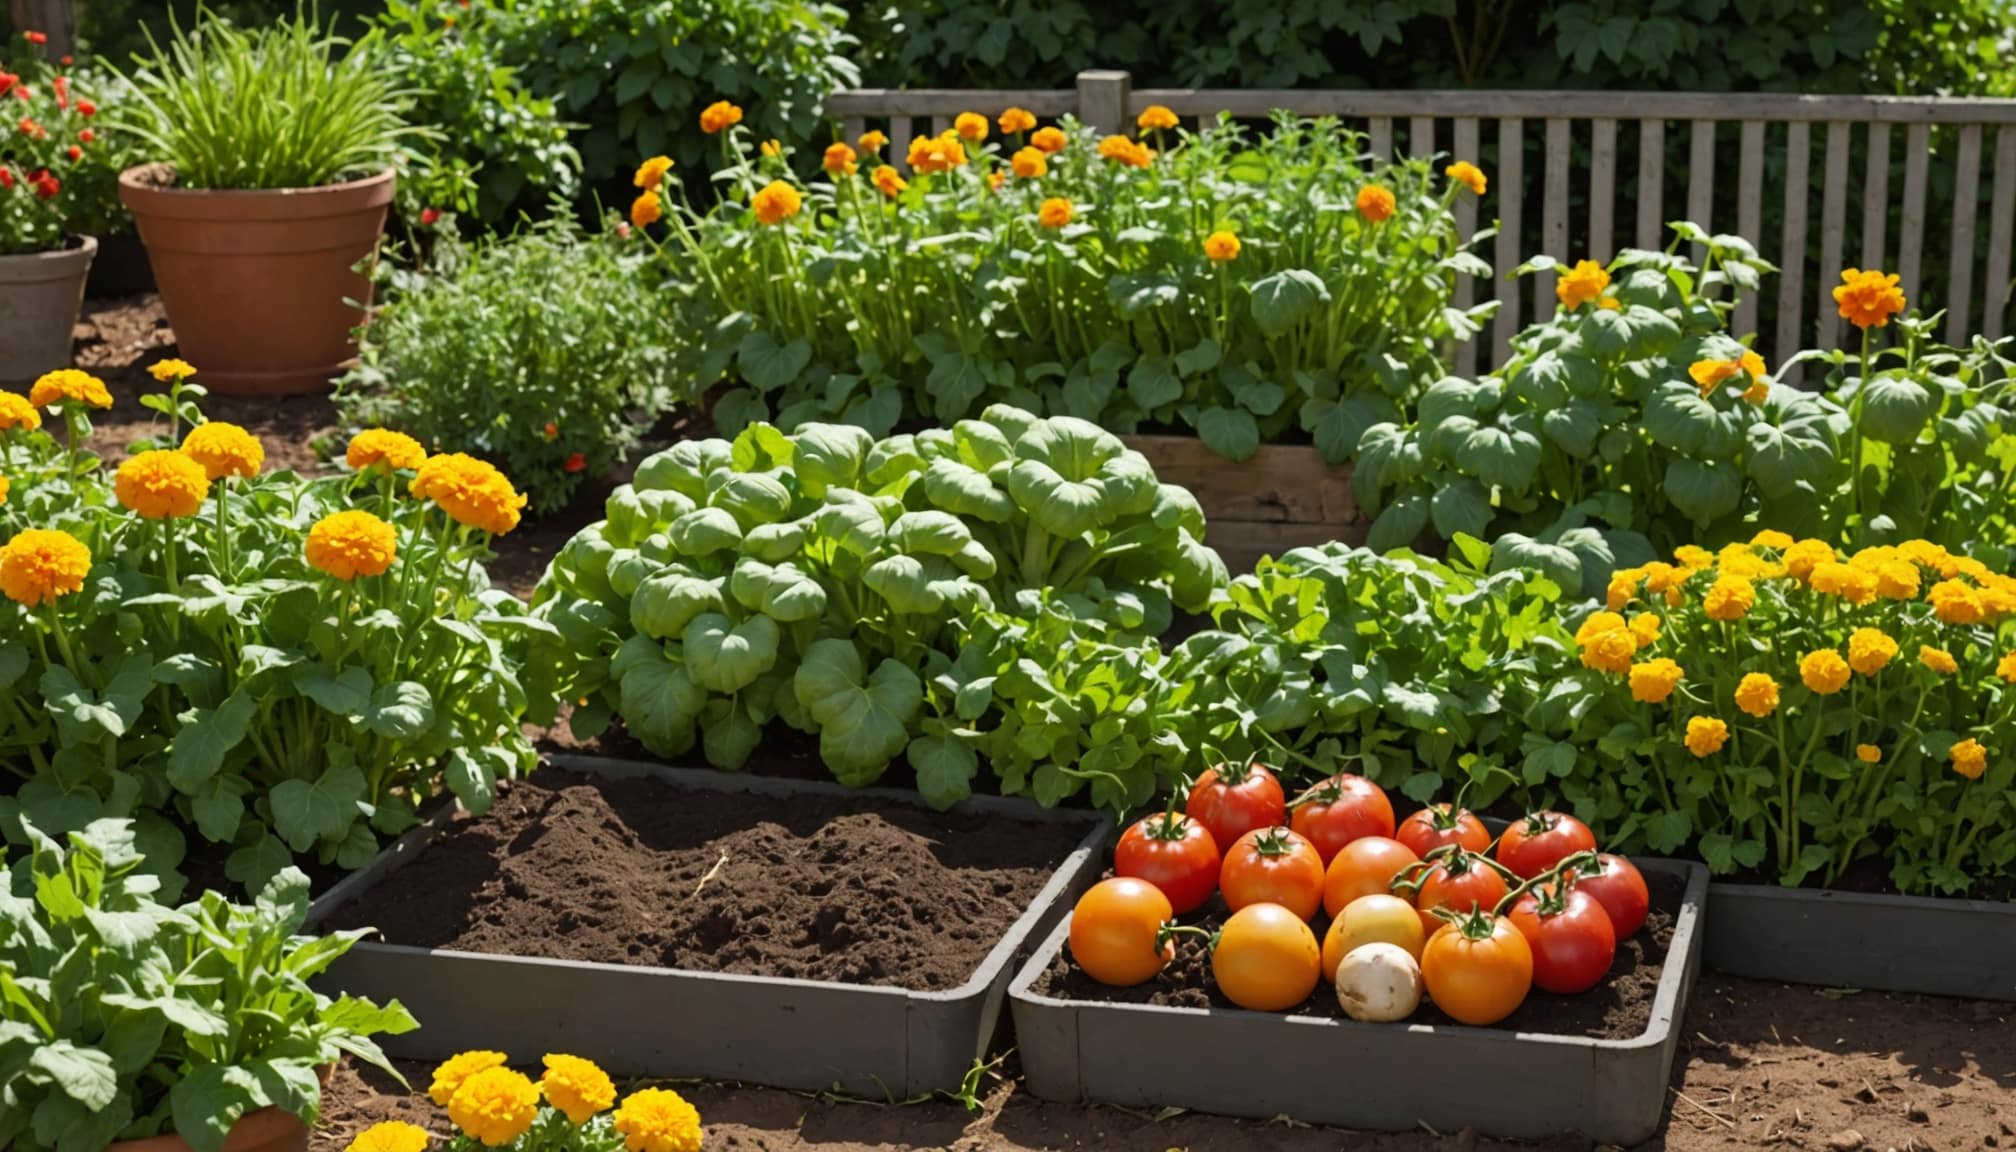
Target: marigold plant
x: 573, y: 1105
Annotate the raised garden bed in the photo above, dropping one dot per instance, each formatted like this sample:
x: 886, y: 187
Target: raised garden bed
x: 1284, y: 496
x: 679, y: 922
x: 1597, y: 1064
x: 1890, y: 943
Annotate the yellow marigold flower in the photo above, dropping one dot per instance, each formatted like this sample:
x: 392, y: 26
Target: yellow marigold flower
x: 1870, y: 650
x: 889, y: 182
x: 1654, y: 680
x: 390, y: 1136
x: 1897, y: 580
x: 1662, y: 579
x: 1706, y: 735
x: 6, y: 486
x: 1124, y: 151
x: 773, y: 149
x: 719, y: 116
x: 1155, y: 116
x: 1221, y: 246
x: 1773, y: 539
x: 449, y: 1075
x: 350, y: 544
x: 1030, y: 163
x: 839, y: 160
x: 647, y: 209
x: 937, y: 153
x: 1834, y: 578
x: 1824, y: 671
x: 1970, y: 759
x: 1051, y: 140
x: 1970, y: 567
x: 17, y: 412
x: 971, y: 127
x: 1928, y: 555
x: 471, y: 491
x: 1016, y: 120
x: 1740, y: 560
x: 167, y: 371
x: 651, y: 173
x: 1757, y: 694
x: 495, y: 1106
x: 1938, y: 660
x: 40, y: 564
x: 1623, y: 588
x: 1868, y: 299
x: 1596, y: 625
x: 658, y: 1120
x: 1955, y: 603
x: 776, y: 203
x: 1645, y: 628
x: 224, y: 450
x: 1693, y: 557
x: 1376, y: 203
x: 1467, y: 174
x: 161, y: 484
x: 576, y: 1087
x: 1055, y: 213
x: 1611, y: 652
x: 1759, y: 390
x: 995, y: 180
x: 68, y: 385
x: 1803, y: 557
x: 383, y: 448
x: 1710, y: 374
x: 1730, y: 598
x: 1586, y: 281
x: 871, y: 142
x: 2007, y: 668
x: 1610, y: 304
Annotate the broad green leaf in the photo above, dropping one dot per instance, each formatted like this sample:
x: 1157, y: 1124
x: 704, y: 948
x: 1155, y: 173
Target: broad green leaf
x: 725, y: 656
x: 305, y: 812
x: 401, y: 710
x: 346, y: 692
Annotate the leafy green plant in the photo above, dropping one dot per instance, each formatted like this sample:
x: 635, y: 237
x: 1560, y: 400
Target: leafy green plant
x: 289, y: 105
x: 526, y: 351
x: 123, y: 1018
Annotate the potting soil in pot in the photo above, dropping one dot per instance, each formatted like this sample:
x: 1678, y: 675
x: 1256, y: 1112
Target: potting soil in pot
x: 639, y: 872
x: 1619, y: 1008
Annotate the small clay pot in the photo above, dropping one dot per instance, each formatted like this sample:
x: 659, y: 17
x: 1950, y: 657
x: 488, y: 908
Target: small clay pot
x: 264, y: 1130
x: 40, y: 293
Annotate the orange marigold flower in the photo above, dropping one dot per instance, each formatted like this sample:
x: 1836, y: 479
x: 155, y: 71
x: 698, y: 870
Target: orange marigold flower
x: 1055, y: 213
x: 471, y: 491
x: 384, y: 449
x: 1710, y: 374
x: 1016, y: 120
x: 39, y: 565
x: 495, y: 1106
x: 1870, y: 650
x: 1824, y: 671
x: 170, y: 370
x: 1956, y: 603
x: 1706, y: 735
x: 971, y: 127
x: 1467, y: 174
x: 161, y: 484
x: 1654, y: 680
x: 1155, y: 117
x: 719, y: 116
x: 1730, y: 598
x: 889, y: 182
x: 776, y: 203
x: 1376, y: 203
x: 839, y: 160
x: 995, y: 180
x: 647, y: 209
x: 69, y: 385
x: 450, y: 1074
x: 1801, y: 558
x: 224, y: 450
x: 871, y: 142
x: 17, y: 412
x: 2007, y: 668
x: 1970, y: 759
x: 1757, y: 694
x: 651, y: 173
x: 1121, y: 150
x: 1586, y: 281
x: 1221, y: 246
x: 578, y: 1088
x: 937, y: 153
x: 1051, y: 140
x: 1938, y: 660
x: 350, y: 544
x: 1868, y: 299
x: 1030, y: 163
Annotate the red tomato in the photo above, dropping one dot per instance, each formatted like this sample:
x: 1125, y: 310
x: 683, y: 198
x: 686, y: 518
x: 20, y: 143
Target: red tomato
x: 1478, y: 971
x: 1364, y: 867
x: 1342, y: 809
x: 1618, y: 886
x: 1440, y: 824
x: 1461, y: 882
x: 1273, y: 866
x: 1234, y: 799
x: 1114, y: 931
x: 1542, y: 840
x: 1174, y: 853
x: 1571, y: 937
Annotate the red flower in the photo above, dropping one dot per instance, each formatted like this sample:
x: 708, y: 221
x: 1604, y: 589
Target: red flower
x: 75, y: 153
x: 24, y: 93
x: 576, y: 462
x: 66, y: 61
x: 87, y: 107
x: 429, y: 217
x: 552, y: 430
x: 6, y: 177
x: 46, y: 186
x: 8, y: 80
x: 62, y: 86
x: 35, y: 37
x: 87, y: 136
x: 32, y: 129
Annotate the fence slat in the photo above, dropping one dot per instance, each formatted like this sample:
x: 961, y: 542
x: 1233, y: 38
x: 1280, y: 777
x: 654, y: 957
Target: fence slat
x: 1792, y: 241
x: 1966, y: 197
x: 1651, y: 182
x: 1911, y: 238
x: 1421, y: 137
x: 1511, y: 165
x: 1876, y: 196
x: 1833, y: 208
x: 1466, y: 227
x: 1750, y: 209
x: 1382, y: 139
x: 2001, y: 221
x: 1701, y: 179
x: 1602, y: 189
x: 852, y: 128
x: 1103, y: 101
x: 940, y: 125
x: 1554, y: 208
x: 899, y: 142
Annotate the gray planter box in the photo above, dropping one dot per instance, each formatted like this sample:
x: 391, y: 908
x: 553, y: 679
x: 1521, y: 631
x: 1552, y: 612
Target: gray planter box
x: 637, y: 1021
x: 1920, y: 944
x: 1349, y: 1074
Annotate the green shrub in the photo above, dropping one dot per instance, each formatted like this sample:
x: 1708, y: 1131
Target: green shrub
x: 543, y: 353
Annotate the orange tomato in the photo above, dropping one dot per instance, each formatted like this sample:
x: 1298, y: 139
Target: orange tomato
x: 1478, y: 971
x: 1461, y: 882
x: 1114, y: 929
x: 1266, y: 959
x: 1364, y: 867
x: 1273, y: 866
x: 1372, y: 919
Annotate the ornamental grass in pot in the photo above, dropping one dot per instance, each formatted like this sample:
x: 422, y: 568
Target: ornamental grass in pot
x: 273, y: 165
x: 133, y: 1026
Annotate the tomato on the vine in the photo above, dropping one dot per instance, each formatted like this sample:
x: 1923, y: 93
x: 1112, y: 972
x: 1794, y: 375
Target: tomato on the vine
x: 1460, y: 881
x: 1478, y: 969
x: 1234, y: 799
x: 1619, y: 887
x: 1342, y: 809
x: 1570, y: 936
x: 1273, y: 866
x: 1267, y: 959
x: 1365, y: 867
x: 1538, y: 842
x: 1116, y: 931
x: 1174, y: 853
x: 1440, y: 824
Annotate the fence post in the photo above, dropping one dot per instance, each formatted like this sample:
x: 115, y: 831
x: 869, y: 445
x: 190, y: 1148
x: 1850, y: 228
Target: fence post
x: 56, y: 19
x: 1102, y: 99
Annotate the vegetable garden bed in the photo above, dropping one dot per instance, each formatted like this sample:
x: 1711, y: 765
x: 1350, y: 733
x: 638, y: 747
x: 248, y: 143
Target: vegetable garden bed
x: 1283, y: 496
x: 692, y: 923
x: 1557, y: 1064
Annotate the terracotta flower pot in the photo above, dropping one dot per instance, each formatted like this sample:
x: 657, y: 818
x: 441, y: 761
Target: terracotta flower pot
x: 261, y: 287
x: 265, y: 1130
x: 40, y: 293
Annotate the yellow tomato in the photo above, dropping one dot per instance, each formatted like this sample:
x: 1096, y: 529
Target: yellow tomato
x: 1372, y: 920
x: 1266, y: 959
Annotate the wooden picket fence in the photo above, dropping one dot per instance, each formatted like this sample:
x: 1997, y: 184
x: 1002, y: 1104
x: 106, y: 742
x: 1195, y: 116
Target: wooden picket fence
x: 1585, y: 138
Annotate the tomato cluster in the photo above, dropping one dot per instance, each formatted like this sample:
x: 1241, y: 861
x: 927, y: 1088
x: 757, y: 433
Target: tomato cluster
x: 1432, y: 902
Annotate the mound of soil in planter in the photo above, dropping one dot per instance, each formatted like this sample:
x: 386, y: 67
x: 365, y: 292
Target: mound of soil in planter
x: 1619, y: 1008
x: 639, y: 872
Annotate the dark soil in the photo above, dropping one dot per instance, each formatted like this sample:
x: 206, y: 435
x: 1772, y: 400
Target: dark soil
x: 1619, y: 1008
x: 640, y: 872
